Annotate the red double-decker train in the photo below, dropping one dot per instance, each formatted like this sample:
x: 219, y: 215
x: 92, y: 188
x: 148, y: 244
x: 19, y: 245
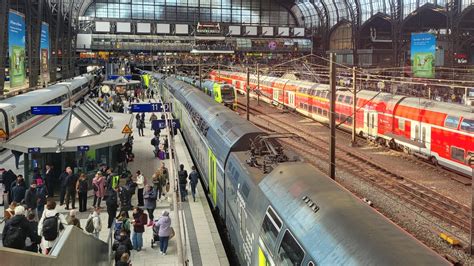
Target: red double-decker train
x: 440, y: 132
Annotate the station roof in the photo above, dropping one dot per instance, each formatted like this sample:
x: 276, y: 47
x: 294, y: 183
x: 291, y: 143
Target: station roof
x: 66, y: 132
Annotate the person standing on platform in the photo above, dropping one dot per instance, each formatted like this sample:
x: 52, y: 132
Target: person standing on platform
x: 31, y: 198
x: 140, y: 125
x: 63, y: 184
x: 18, y: 189
x: 98, y: 183
x: 193, y: 180
x: 139, y: 221
x: 49, y: 180
x: 72, y: 219
x: 82, y: 188
x: 96, y: 221
x: 71, y: 191
x: 16, y: 230
x: 140, y: 185
x: 112, y: 205
x: 33, y: 241
x: 42, y: 193
x: 183, y: 181
x: 125, y: 200
x: 49, y: 226
x: 122, y: 245
x: 150, y: 202
x: 165, y: 231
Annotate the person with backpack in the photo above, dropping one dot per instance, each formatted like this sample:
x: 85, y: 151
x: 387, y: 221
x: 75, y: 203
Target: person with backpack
x: 112, y: 205
x: 193, y: 180
x: 31, y: 198
x: 140, y: 185
x: 183, y: 181
x: 33, y: 241
x: 94, y: 223
x: 122, y: 223
x: 139, y: 221
x: 150, y: 202
x: 98, y: 184
x: 121, y: 246
x: 81, y: 188
x: 49, y: 226
x: 16, y: 230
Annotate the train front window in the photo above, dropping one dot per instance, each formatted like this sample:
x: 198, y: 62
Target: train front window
x: 467, y: 125
x: 227, y: 93
x: 290, y: 251
x: 271, y: 227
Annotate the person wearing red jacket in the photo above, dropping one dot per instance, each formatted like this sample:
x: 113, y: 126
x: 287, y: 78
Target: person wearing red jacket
x: 139, y: 221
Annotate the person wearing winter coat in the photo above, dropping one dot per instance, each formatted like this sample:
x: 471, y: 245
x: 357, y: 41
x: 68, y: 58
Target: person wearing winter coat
x: 49, y: 213
x: 150, y: 202
x: 18, y: 189
x: 139, y: 221
x: 49, y: 180
x: 165, y: 231
x: 82, y: 188
x: 193, y: 180
x: 97, y: 222
x: 112, y: 205
x: 32, y: 242
x: 42, y: 193
x: 98, y: 183
x: 122, y: 245
x: 16, y: 230
x: 31, y: 199
x: 63, y: 180
x: 72, y: 219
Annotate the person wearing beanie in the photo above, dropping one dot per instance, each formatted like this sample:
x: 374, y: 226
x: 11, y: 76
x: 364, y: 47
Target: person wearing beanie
x: 16, y: 230
x: 72, y: 219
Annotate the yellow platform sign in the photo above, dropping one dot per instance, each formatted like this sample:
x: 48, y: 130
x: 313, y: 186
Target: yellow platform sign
x: 126, y: 130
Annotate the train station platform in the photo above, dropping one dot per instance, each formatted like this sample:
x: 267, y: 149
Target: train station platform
x: 197, y: 240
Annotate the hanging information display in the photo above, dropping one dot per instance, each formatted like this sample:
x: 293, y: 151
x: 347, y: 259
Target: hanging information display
x: 16, y: 48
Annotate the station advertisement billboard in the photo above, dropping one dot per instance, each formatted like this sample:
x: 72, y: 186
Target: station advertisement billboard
x: 44, y: 52
x: 423, y: 55
x: 16, y: 48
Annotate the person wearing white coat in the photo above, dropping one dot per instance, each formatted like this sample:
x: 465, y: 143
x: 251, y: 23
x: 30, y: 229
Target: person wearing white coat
x: 50, y: 212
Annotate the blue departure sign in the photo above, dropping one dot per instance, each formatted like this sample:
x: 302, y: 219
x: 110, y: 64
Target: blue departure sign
x: 34, y: 150
x: 83, y: 148
x: 46, y: 110
x: 161, y: 124
x: 150, y: 107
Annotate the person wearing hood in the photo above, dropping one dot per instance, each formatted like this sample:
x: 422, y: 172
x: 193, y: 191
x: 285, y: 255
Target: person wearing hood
x: 16, y: 230
x: 50, y: 224
x: 122, y: 245
x: 165, y: 231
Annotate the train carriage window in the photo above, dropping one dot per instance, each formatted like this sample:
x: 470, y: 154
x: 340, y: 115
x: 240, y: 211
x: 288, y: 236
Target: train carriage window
x: 467, y: 125
x: 325, y: 112
x: 457, y: 154
x: 423, y: 134
x: 340, y: 98
x: 451, y: 122
x: 271, y: 227
x: 318, y: 93
x: 290, y: 251
x: 348, y: 100
x: 401, y: 124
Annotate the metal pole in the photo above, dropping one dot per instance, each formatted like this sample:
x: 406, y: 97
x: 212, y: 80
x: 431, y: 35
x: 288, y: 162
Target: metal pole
x: 354, y: 107
x: 258, y: 86
x: 472, y: 209
x: 248, y: 94
x: 200, y: 76
x: 332, y: 117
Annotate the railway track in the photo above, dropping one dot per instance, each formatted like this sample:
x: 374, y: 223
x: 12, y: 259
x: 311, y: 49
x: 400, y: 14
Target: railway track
x: 315, y: 148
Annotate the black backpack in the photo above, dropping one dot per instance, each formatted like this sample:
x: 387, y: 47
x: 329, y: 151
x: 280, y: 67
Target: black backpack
x: 122, y: 248
x: 51, y: 227
x: 14, y: 237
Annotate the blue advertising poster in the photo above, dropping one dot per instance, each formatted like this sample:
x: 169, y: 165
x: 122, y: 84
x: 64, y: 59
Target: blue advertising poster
x: 44, y: 52
x: 423, y: 51
x: 16, y: 48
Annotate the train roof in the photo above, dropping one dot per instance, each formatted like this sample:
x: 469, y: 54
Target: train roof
x: 226, y: 131
x: 345, y: 230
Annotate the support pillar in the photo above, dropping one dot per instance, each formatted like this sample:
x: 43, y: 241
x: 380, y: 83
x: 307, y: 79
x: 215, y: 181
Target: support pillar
x: 4, y: 6
x: 332, y: 115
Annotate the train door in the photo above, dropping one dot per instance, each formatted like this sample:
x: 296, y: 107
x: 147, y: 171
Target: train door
x: 291, y: 98
x: 213, y: 177
x: 370, y: 123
